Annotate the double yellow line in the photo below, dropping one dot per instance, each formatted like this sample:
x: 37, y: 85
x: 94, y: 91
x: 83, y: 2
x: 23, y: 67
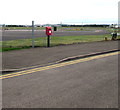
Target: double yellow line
x: 56, y: 65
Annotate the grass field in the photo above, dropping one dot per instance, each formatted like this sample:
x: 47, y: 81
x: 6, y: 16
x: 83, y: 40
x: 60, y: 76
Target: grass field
x: 61, y: 28
x: 23, y: 28
x: 54, y: 41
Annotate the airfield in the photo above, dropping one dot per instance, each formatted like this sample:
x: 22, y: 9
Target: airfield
x: 27, y: 34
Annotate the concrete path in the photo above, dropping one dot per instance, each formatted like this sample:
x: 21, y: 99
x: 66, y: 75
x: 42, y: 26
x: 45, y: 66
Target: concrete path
x: 42, y: 56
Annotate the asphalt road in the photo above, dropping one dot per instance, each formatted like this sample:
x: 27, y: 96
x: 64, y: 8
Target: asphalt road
x: 88, y: 84
x: 24, y: 34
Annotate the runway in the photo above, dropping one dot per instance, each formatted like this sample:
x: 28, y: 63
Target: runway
x: 27, y: 34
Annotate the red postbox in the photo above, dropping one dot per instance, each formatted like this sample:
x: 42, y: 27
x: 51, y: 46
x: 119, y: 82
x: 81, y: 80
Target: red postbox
x: 48, y: 31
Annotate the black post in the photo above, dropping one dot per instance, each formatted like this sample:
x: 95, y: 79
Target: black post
x: 48, y: 41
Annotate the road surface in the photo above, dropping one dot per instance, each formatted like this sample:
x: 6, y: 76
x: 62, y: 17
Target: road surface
x: 90, y: 83
x: 24, y: 34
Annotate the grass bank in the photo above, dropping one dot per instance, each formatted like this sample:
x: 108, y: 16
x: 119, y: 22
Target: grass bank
x: 54, y: 41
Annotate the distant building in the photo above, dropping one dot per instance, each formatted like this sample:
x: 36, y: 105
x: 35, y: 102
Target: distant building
x: 113, y: 26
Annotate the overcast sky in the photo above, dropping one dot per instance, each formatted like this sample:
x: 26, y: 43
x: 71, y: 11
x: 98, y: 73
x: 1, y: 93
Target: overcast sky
x: 58, y: 11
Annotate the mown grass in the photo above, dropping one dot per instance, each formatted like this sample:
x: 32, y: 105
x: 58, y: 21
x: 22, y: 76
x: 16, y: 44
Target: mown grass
x: 23, y: 28
x: 54, y: 41
x: 65, y: 28
x: 81, y: 28
x: 60, y: 28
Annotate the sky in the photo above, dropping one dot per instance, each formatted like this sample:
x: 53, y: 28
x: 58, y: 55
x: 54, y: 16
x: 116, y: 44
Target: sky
x: 23, y: 12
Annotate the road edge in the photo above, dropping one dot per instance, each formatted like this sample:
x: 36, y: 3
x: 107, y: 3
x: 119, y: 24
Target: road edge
x: 60, y: 61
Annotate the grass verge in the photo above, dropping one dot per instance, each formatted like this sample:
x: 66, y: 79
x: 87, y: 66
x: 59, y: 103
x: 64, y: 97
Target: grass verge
x: 42, y: 41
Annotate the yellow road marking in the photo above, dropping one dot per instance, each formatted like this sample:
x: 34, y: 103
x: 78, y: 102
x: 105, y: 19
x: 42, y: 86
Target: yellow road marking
x: 55, y: 65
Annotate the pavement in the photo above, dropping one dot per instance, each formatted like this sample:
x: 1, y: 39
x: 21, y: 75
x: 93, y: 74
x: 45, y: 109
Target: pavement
x: 20, y: 59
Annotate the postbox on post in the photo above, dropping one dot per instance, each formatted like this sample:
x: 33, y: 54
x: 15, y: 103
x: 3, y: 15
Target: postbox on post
x: 48, y: 33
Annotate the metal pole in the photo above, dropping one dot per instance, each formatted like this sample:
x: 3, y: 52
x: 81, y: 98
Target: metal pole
x: 32, y: 34
x: 3, y: 31
x: 48, y: 41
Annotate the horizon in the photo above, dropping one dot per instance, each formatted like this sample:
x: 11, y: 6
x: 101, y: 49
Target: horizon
x: 114, y: 23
